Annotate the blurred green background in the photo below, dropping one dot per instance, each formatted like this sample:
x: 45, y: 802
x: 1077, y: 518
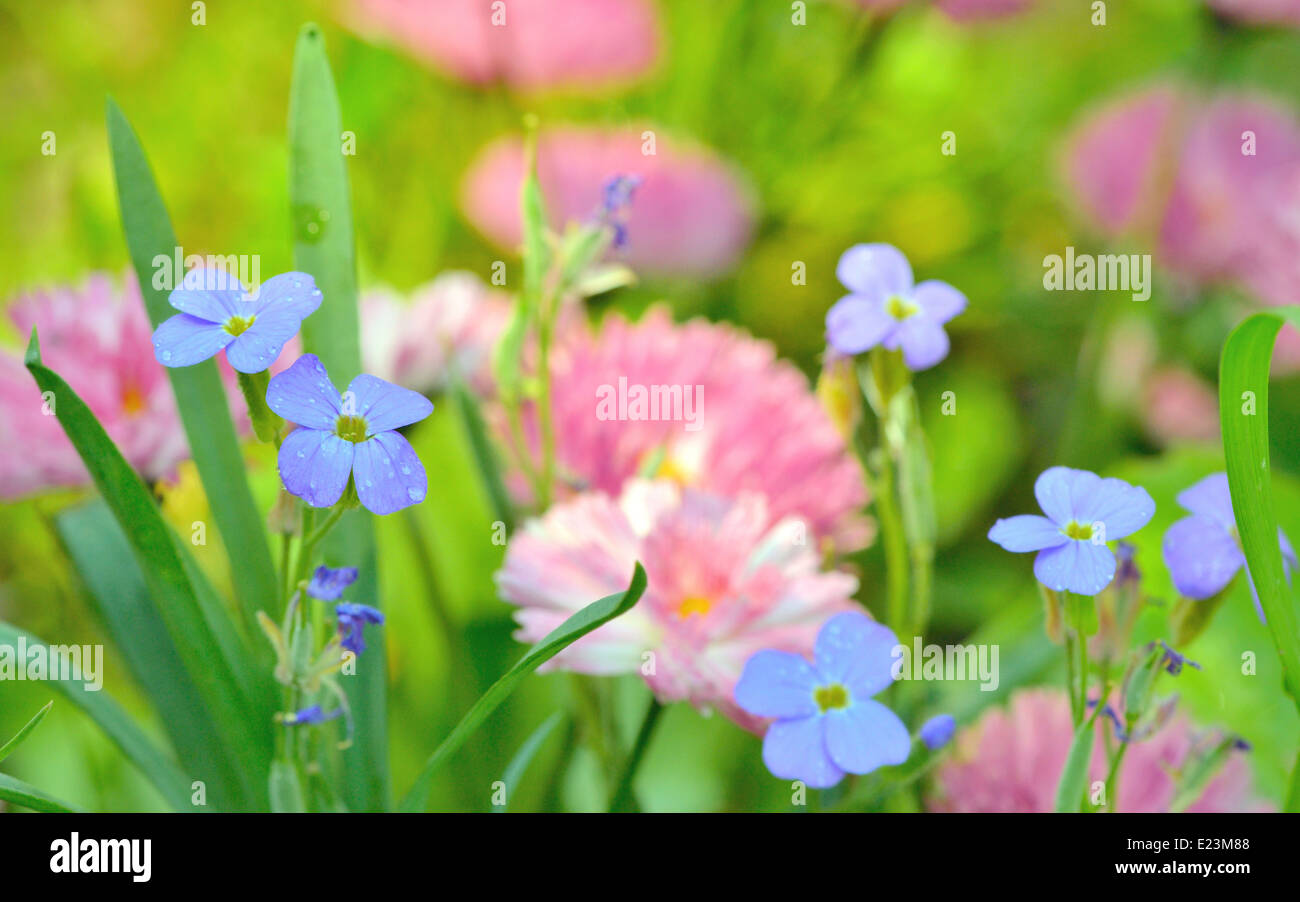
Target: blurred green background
x: 837, y: 124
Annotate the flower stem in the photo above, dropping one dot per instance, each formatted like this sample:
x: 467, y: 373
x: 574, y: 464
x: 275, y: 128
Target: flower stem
x: 266, y: 425
x: 623, y: 798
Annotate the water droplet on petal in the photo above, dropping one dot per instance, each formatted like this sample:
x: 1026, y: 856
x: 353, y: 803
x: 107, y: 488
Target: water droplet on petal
x: 415, y: 494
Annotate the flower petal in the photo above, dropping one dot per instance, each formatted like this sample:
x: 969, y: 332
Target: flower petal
x: 875, y: 271
x: 211, y: 294
x: 384, y: 405
x: 389, y: 474
x: 777, y: 684
x: 303, y: 394
x: 184, y: 340
x: 856, y: 324
x: 1077, y: 566
x: 855, y: 650
x: 315, y: 465
x: 1210, y: 498
x: 290, y: 294
x: 796, y: 750
x: 939, y: 300
x: 1027, y: 532
x: 923, y: 340
x: 1201, y: 555
x: 1060, y: 490
x: 866, y: 735
x: 1120, y: 508
x: 257, y: 348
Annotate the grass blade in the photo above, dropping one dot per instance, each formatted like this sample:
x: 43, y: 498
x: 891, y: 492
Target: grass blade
x: 324, y: 247
x: 156, y: 766
x: 19, y: 793
x: 514, y: 771
x: 200, y: 396
x: 484, y: 454
x: 8, y: 747
x: 589, y: 618
x: 166, y: 576
x: 1243, y: 413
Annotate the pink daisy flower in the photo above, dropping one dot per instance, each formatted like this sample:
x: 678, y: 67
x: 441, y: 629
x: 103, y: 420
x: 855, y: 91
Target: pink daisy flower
x: 693, y: 214
x: 727, y: 578
x: 758, y: 427
x: 528, y: 44
x: 449, y: 324
x: 1011, y: 760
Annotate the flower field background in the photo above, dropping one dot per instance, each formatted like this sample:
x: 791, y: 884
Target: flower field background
x: 977, y: 139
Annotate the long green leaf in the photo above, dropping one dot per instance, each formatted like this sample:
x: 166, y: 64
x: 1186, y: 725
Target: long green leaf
x: 154, y: 764
x: 152, y: 544
x: 19, y: 793
x: 200, y: 397
x: 1243, y: 412
x: 324, y: 247
x: 1074, y: 776
x: 7, y: 749
x: 518, y: 765
x: 484, y: 454
x: 580, y: 624
x: 102, y: 555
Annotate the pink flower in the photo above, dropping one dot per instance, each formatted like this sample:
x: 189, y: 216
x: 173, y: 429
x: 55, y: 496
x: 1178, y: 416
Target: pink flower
x: 1179, y: 406
x: 727, y: 578
x: 692, y: 213
x: 752, y: 425
x: 974, y: 10
x: 99, y: 341
x: 1261, y: 12
x: 449, y: 324
x: 1011, y: 760
x: 528, y: 44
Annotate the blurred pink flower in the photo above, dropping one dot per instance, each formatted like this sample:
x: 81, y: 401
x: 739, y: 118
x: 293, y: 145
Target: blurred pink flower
x: 528, y: 44
x: 726, y: 579
x: 451, y: 323
x: 974, y: 10
x: 758, y: 428
x: 99, y: 340
x: 692, y: 213
x: 1011, y: 760
x: 1215, y: 183
x: 1262, y: 12
x: 1179, y: 406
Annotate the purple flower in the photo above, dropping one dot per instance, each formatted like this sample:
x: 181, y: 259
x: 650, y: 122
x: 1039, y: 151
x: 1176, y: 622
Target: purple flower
x: 1203, y: 552
x: 352, y: 619
x: 216, y: 313
x: 1084, y: 512
x: 884, y: 307
x: 616, y: 198
x: 328, y: 585
x: 1173, y: 662
x: 826, y: 721
x: 338, y: 438
x: 312, y: 715
x: 937, y: 731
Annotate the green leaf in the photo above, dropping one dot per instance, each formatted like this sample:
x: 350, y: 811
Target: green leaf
x: 156, y: 766
x: 580, y: 624
x: 285, y: 787
x: 1243, y: 413
x: 1074, y: 776
x: 324, y: 247
x: 102, y: 555
x: 19, y: 793
x: 167, y: 577
x: 484, y: 454
x: 200, y: 396
x: 8, y: 747
x: 514, y: 771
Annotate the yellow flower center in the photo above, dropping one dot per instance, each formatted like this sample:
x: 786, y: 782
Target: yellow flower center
x: 351, y: 429
x: 832, y: 696
x: 1077, y: 530
x: 900, y: 308
x: 692, y: 606
x: 132, y: 401
x: 238, y: 325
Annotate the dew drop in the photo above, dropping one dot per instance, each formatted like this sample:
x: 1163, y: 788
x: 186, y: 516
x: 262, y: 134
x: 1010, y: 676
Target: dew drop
x: 415, y: 494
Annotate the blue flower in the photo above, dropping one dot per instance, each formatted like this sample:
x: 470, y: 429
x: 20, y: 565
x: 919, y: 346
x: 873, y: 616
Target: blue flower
x: 312, y: 715
x: 1173, y: 662
x: 885, y: 308
x: 826, y: 721
x: 216, y: 313
x: 937, y: 731
x: 352, y: 619
x: 616, y: 198
x: 1084, y: 512
x: 328, y: 585
x: 1203, y: 552
x: 337, y: 439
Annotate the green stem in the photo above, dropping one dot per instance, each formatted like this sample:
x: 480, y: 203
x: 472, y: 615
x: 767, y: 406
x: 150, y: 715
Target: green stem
x: 266, y: 425
x: 623, y: 798
x: 1293, y: 793
x: 1112, y: 777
